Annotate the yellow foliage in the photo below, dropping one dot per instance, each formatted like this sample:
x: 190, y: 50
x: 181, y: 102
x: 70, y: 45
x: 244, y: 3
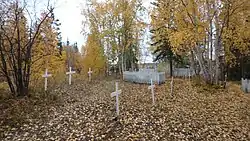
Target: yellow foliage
x: 183, y: 22
x: 236, y: 35
x: 46, y: 54
x: 93, y: 56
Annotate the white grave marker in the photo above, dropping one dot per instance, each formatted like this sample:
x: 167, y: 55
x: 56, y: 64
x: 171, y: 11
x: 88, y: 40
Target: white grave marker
x: 90, y: 72
x: 116, y: 94
x: 70, y: 74
x: 46, y: 75
x: 152, y: 91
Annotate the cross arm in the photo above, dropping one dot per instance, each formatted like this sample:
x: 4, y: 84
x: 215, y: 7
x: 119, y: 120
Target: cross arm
x: 116, y: 92
x: 70, y: 72
x: 46, y: 75
x: 150, y: 87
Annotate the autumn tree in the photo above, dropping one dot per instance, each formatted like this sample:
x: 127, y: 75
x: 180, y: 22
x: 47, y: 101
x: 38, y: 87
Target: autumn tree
x: 17, y: 40
x: 47, y: 54
x: 73, y: 56
x: 119, y: 29
x: 198, y: 28
x: 162, y: 48
x: 93, y: 56
x: 236, y: 38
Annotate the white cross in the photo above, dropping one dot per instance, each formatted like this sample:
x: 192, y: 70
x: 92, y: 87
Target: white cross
x: 116, y: 94
x: 90, y: 72
x: 46, y: 75
x: 172, y: 85
x: 70, y: 74
x: 152, y: 91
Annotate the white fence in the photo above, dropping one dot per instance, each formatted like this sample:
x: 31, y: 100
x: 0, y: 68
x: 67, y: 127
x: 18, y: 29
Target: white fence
x: 144, y: 76
x: 183, y: 72
x: 245, y: 85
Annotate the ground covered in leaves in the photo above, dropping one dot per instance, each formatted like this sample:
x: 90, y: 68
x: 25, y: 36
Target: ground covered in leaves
x: 86, y: 111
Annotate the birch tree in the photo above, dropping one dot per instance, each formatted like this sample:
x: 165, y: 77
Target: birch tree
x: 199, y: 27
x: 119, y: 28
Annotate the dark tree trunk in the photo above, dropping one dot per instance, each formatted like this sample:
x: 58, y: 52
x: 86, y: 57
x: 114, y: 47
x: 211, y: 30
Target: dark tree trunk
x: 171, y: 65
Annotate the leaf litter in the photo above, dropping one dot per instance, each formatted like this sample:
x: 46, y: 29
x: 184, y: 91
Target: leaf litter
x: 86, y: 111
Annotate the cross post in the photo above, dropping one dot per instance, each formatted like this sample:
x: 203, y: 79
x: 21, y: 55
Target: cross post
x: 116, y: 94
x: 152, y: 90
x: 90, y: 72
x: 70, y: 74
x: 46, y: 75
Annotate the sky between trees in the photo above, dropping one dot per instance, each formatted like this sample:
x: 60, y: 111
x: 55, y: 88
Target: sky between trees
x: 69, y: 13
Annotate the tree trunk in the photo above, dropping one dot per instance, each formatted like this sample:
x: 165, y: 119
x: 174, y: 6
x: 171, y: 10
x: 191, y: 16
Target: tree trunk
x: 211, y: 53
x: 11, y: 86
x: 192, y: 62
x: 120, y: 64
x: 21, y: 89
x: 210, y: 41
x: 217, y: 62
x: 171, y: 65
x: 201, y: 62
x: 242, y: 67
x: 218, y: 46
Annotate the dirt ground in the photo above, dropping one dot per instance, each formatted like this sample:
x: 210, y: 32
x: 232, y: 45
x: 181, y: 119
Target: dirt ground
x: 86, y: 111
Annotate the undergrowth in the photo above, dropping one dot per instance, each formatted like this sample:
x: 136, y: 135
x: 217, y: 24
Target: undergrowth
x: 19, y: 108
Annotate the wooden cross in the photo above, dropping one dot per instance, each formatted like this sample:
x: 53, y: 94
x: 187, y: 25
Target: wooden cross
x: 46, y: 75
x: 152, y: 91
x: 90, y: 72
x: 116, y: 94
x: 70, y: 74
